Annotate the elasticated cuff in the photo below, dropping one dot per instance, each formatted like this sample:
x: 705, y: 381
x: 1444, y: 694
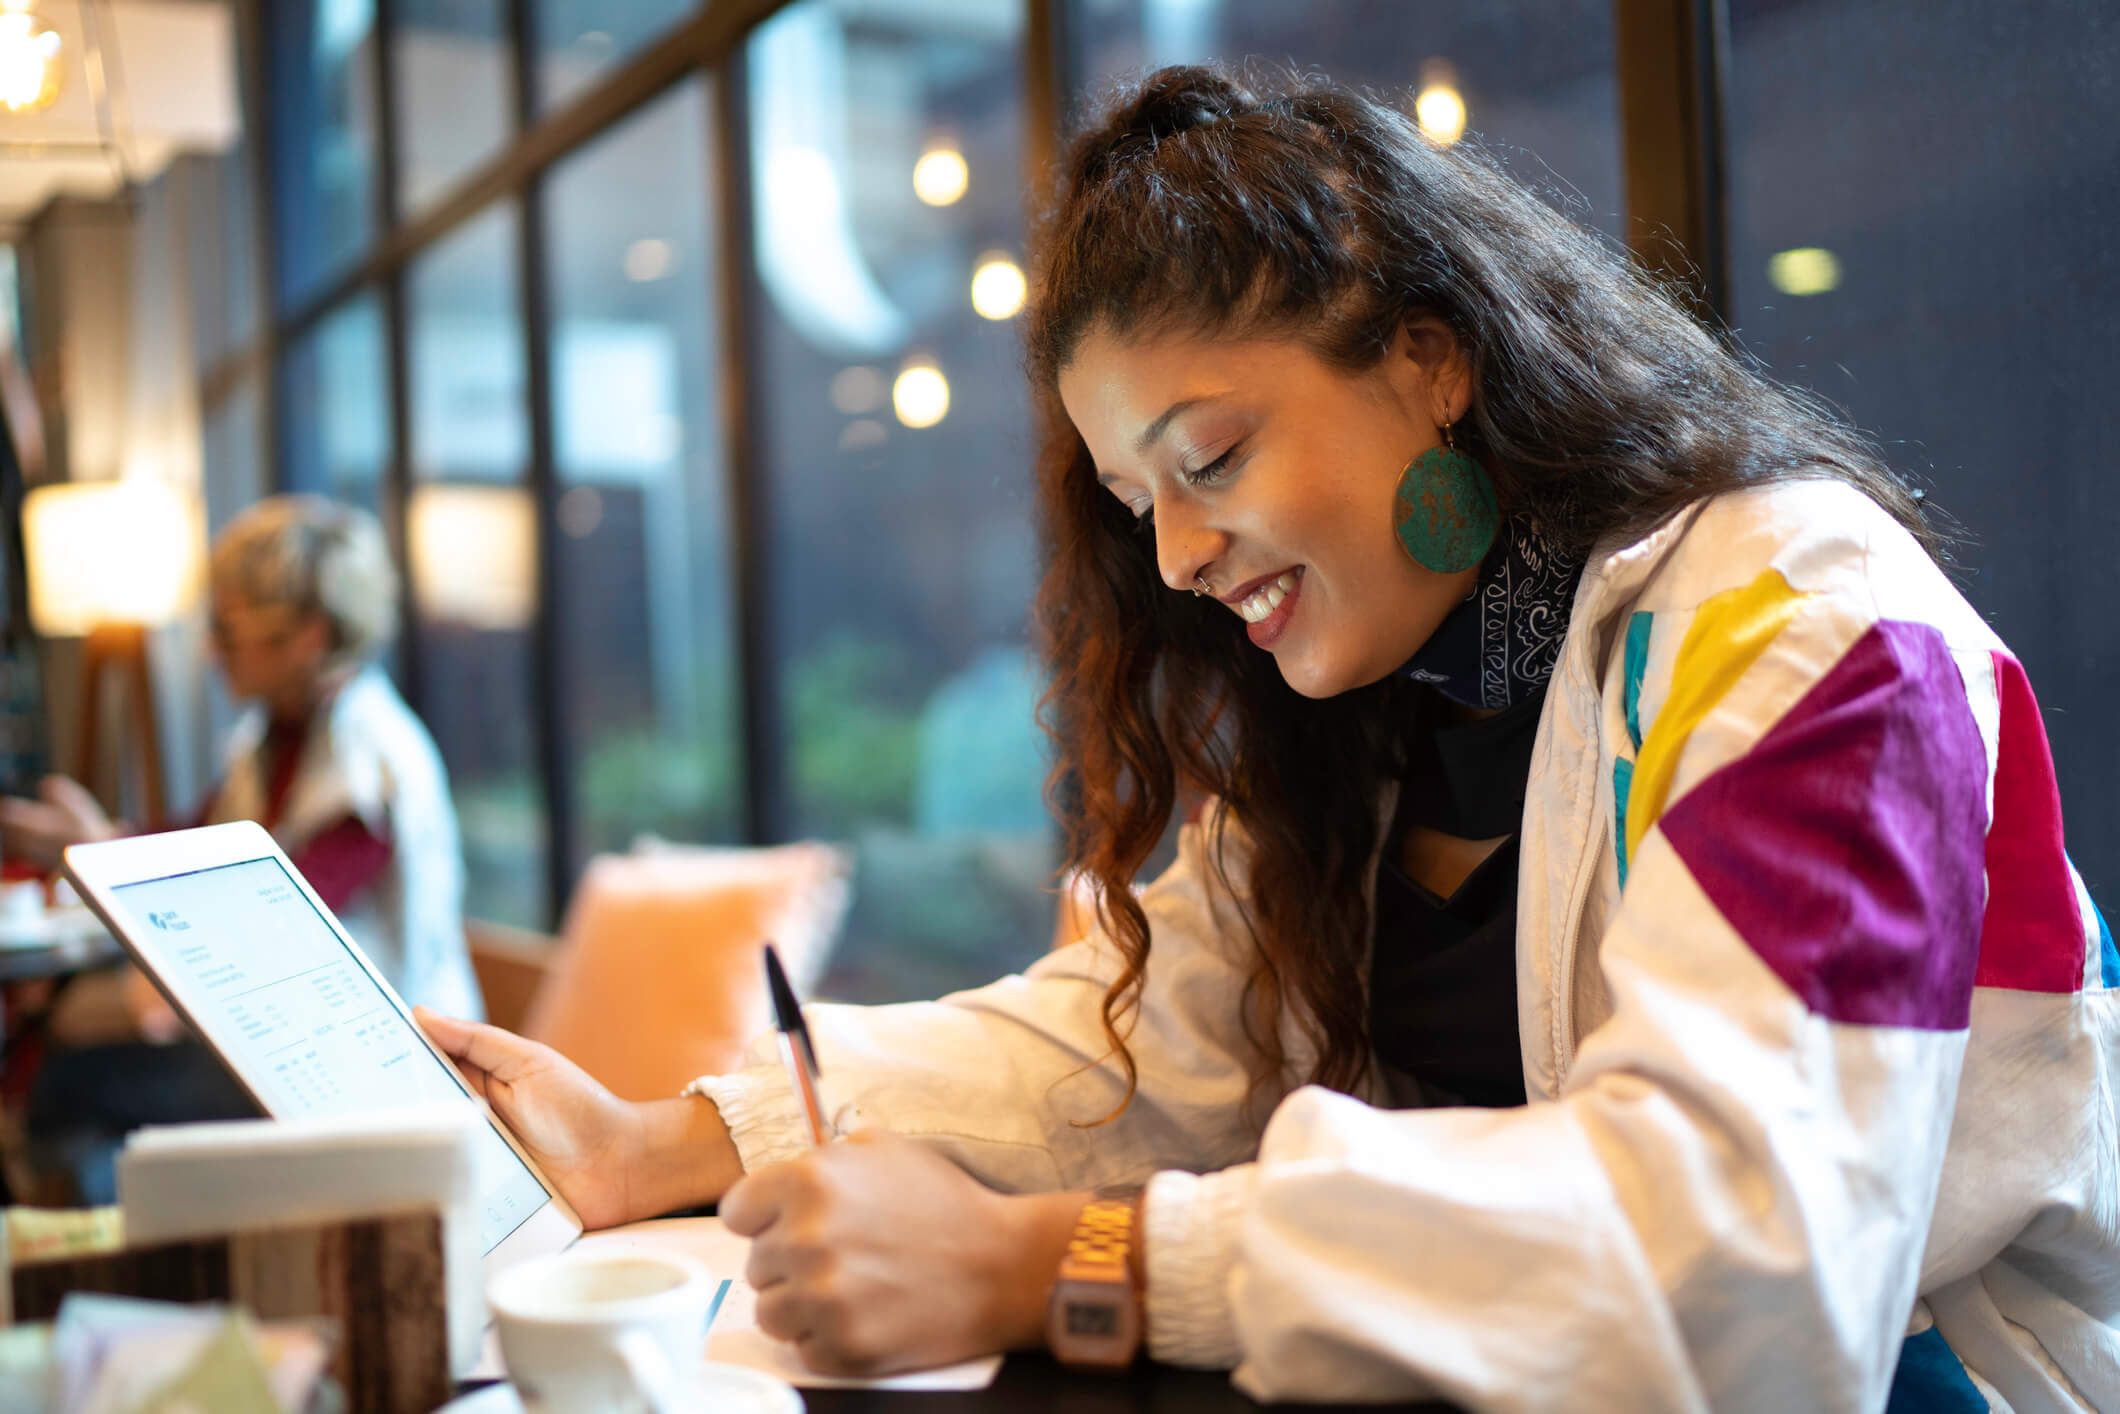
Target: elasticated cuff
x: 764, y: 1117
x: 1192, y: 1249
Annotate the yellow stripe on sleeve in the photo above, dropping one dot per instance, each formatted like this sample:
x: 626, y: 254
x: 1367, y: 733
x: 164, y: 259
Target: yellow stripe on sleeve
x: 1727, y: 635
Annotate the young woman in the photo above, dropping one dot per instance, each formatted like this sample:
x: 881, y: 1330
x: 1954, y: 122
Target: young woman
x: 1632, y: 961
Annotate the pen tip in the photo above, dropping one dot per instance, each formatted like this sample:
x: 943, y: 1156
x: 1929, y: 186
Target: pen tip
x: 777, y: 982
x: 787, y: 1012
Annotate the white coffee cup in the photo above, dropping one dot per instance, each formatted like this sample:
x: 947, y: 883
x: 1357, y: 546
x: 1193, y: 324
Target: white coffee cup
x: 621, y: 1331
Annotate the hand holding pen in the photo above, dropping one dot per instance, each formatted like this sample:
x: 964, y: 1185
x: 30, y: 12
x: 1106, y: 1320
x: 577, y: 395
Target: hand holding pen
x: 795, y: 1048
x: 840, y: 1234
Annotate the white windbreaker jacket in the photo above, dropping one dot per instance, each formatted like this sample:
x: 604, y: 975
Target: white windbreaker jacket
x: 1818, y: 1025
x: 367, y: 755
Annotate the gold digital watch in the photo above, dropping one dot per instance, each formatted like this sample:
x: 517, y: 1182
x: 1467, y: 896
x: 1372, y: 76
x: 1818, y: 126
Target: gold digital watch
x: 1093, y: 1317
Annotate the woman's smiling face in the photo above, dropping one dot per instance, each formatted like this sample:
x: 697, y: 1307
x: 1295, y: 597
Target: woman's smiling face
x: 1270, y: 474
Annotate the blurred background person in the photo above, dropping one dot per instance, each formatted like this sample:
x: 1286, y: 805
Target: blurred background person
x: 331, y: 761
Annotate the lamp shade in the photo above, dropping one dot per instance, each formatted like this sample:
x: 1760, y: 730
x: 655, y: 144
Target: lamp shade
x: 109, y: 552
x: 474, y: 555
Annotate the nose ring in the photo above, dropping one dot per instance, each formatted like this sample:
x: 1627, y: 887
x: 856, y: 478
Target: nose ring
x: 1200, y: 589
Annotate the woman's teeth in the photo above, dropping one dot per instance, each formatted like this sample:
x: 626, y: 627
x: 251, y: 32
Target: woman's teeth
x: 1256, y: 606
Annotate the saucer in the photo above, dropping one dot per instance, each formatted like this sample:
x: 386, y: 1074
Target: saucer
x: 721, y: 1389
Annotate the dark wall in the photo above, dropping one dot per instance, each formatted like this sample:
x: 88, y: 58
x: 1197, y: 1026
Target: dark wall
x: 1960, y: 162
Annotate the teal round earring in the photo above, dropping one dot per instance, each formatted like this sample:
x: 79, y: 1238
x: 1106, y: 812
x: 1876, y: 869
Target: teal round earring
x: 1444, y: 509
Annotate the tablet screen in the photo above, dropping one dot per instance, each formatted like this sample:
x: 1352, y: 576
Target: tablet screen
x: 289, y: 1007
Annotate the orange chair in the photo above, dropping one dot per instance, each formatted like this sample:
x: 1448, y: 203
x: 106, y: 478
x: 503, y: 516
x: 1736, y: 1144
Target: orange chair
x: 657, y: 977
x: 511, y: 964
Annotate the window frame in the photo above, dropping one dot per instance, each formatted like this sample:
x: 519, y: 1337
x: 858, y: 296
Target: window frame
x: 1671, y: 58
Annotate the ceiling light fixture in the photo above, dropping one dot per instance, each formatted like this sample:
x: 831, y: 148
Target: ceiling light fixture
x: 30, y: 70
x: 649, y: 259
x: 998, y: 288
x: 921, y: 395
x: 1440, y: 107
x: 940, y: 176
x: 1806, y: 270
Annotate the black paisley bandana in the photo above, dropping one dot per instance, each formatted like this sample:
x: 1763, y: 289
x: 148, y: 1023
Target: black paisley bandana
x: 1500, y: 645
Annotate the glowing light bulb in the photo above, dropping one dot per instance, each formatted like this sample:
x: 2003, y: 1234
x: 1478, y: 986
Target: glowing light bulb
x: 940, y: 176
x: 921, y: 396
x: 998, y: 287
x: 857, y: 389
x: 1807, y: 270
x: 1440, y: 110
x: 29, y: 63
x: 861, y: 434
x: 648, y: 259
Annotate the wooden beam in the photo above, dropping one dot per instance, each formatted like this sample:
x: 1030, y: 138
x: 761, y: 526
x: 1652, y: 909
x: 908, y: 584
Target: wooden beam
x: 1673, y: 62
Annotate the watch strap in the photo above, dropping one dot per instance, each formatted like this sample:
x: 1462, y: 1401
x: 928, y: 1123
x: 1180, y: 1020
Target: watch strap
x: 1102, y: 1244
x: 1094, y: 1316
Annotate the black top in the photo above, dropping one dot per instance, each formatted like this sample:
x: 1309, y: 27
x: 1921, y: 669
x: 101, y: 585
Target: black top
x: 1442, y: 986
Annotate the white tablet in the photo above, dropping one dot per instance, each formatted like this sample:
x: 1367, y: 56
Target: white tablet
x: 246, y: 953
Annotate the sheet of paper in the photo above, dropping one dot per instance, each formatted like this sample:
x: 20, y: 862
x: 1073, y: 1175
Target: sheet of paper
x: 735, y: 1338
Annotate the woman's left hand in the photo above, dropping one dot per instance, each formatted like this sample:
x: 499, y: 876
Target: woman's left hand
x: 876, y: 1253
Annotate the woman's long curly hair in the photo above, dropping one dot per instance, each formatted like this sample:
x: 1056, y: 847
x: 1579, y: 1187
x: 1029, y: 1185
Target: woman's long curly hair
x: 1292, y: 208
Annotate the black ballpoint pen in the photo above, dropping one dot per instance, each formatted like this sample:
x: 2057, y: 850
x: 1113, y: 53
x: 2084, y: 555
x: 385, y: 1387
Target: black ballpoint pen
x: 795, y: 1047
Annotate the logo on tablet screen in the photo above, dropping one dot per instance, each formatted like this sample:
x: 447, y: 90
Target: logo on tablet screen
x: 169, y: 922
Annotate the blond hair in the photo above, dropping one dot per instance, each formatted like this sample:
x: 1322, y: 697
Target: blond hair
x: 313, y: 555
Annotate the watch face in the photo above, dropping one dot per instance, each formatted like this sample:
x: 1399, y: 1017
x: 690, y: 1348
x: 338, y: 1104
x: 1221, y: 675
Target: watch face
x: 1100, y: 1318
x: 1094, y: 1323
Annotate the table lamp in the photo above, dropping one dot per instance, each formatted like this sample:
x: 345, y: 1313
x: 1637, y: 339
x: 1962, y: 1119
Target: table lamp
x: 107, y: 561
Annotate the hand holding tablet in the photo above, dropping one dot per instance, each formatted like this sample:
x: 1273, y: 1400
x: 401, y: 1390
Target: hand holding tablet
x: 615, y: 1160
x: 246, y: 953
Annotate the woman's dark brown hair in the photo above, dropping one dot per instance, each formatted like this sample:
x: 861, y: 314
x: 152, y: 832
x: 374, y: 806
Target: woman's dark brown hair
x: 1296, y: 209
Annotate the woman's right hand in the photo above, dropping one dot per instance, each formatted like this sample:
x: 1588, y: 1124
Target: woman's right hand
x: 64, y: 813
x: 613, y: 1160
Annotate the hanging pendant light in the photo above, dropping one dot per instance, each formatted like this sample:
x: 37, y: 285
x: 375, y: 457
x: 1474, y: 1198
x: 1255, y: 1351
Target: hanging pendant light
x: 29, y: 60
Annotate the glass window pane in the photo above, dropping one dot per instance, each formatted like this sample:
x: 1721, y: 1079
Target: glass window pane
x: 233, y: 462
x: 335, y: 418
x: 324, y: 139
x: 233, y: 470
x: 222, y: 234
x: 902, y: 543
x: 471, y: 544
x: 335, y: 406
x: 1914, y: 237
x: 579, y: 40
x: 451, y: 91
x: 1533, y: 79
x: 648, y: 613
